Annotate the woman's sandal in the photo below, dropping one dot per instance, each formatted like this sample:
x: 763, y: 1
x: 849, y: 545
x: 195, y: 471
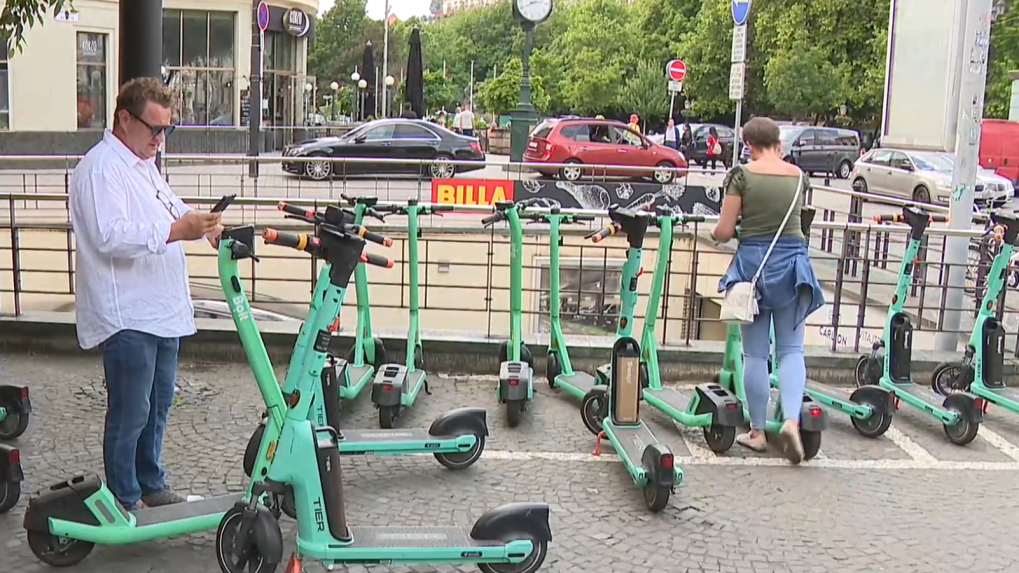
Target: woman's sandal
x: 759, y: 445
x: 792, y: 447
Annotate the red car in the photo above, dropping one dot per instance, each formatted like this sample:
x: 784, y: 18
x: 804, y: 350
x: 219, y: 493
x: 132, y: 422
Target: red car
x: 578, y: 141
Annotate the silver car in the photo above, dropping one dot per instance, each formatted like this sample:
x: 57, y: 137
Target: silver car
x: 923, y: 176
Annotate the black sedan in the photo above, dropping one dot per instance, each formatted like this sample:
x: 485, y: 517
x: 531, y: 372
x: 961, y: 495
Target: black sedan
x: 409, y: 143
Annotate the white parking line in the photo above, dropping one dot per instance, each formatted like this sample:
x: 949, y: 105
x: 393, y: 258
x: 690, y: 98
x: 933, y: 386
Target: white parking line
x: 912, y: 449
x: 827, y: 463
x: 999, y: 442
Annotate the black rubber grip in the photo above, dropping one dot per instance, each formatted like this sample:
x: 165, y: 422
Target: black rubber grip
x: 584, y: 217
x: 693, y: 218
x: 493, y: 218
x: 292, y: 240
x: 598, y: 236
x: 939, y: 218
x: 298, y: 211
x: 374, y: 237
x: 887, y: 218
x: 386, y: 208
x: 437, y: 208
x: 377, y: 260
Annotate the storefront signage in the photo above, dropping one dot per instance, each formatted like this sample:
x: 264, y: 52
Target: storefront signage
x: 296, y: 22
x: 471, y: 191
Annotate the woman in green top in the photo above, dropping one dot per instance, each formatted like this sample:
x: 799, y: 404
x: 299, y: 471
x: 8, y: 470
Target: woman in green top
x: 762, y: 193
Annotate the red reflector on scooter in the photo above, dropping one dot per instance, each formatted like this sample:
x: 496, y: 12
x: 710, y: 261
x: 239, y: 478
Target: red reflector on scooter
x: 667, y: 461
x: 513, y: 382
x: 732, y: 406
x: 815, y: 412
x: 387, y: 387
x: 24, y: 393
x: 14, y: 457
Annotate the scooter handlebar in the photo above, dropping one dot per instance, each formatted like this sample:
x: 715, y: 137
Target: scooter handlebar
x: 299, y: 212
x: 493, y: 218
x: 939, y: 218
x: 298, y: 241
x: 373, y: 237
x: 377, y: 260
x: 899, y: 218
x: 599, y: 235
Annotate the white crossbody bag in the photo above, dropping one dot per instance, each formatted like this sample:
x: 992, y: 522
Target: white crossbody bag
x: 740, y: 303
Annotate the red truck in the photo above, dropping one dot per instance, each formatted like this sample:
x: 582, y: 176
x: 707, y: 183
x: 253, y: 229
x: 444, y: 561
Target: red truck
x: 999, y: 148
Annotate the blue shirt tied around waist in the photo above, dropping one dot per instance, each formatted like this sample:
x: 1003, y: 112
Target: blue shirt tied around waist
x: 787, y: 278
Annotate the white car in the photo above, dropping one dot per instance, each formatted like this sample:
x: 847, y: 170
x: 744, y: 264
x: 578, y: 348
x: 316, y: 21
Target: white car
x: 923, y: 176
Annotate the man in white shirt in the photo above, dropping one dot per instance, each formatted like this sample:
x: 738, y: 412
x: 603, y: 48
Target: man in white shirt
x: 132, y: 294
x: 465, y: 121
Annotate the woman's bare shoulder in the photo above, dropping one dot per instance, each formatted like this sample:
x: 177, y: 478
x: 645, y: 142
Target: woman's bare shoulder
x: 773, y: 168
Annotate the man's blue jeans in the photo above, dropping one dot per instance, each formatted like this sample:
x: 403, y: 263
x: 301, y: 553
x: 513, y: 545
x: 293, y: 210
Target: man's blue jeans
x: 140, y: 374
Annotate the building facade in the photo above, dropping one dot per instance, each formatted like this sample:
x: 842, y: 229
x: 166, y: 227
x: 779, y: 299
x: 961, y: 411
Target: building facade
x: 65, y: 79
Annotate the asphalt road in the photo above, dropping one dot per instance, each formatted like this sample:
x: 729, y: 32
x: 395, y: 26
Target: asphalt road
x: 908, y: 502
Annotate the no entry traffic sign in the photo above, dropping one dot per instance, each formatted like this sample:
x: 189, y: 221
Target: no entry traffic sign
x: 676, y: 70
x: 263, y: 16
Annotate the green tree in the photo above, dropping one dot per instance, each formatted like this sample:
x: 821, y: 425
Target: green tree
x: 501, y: 94
x: 339, y: 42
x: 440, y: 93
x: 644, y: 92
x: 802, y: 83
x: 18, y: 16
x: 1003, y: 58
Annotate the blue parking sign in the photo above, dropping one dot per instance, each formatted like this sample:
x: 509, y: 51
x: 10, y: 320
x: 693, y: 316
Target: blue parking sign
x: 740, y: 11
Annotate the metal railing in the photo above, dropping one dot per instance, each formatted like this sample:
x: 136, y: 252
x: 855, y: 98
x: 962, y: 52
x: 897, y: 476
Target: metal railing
x: 856, y: 262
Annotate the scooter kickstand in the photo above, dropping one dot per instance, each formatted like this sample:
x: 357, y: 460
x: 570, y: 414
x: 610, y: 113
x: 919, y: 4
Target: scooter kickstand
x: 597, y: 443
x: 295, y: 564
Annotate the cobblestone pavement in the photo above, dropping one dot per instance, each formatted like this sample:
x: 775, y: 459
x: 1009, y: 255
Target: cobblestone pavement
x: 902, y: 503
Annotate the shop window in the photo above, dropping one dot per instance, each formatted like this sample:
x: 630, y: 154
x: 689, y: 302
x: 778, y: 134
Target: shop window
x: 588, y: 296
x: 282, y: 86
x: 91, y: 68
x: 199, y: 51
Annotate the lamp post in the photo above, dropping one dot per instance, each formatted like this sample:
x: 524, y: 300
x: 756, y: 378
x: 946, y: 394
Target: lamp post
x: 354, y: 79
x: 528, y: 14
x: 387, y: 111
x: 335, y: 86
x: 361, y: 85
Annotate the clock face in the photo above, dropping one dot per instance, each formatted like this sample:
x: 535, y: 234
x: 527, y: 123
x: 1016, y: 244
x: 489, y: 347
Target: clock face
x: 534, y: 10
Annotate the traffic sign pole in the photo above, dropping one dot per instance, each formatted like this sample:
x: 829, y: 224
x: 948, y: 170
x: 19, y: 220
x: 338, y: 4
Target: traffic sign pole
x: 258, y: 25
x: 737, y: 73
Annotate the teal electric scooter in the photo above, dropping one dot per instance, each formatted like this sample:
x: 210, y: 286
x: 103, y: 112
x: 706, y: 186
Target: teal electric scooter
x: 66, y: 520
x: 456, y: 439
x: 397, y: 386
x: 612, y: 409
x: 516, y: 363
x: 889, y: 364
x: 512, y: 538
x: 981, y: 370
x: 711, y: 407
x: 870, y: 408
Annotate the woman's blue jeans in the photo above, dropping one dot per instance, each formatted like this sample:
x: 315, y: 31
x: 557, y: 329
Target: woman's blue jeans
x: 140, y: 373
x: 792, y: 368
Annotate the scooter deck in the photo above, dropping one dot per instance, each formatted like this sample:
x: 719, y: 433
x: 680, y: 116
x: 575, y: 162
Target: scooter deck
x: 670, y: 396
x: 357, y: 378
x: 932, y: 401
x: 1005, y: 397
x: 399, y: 537
x: 633, y: 440
x: 412, y: 382
x: 578, y: 384
x: 400, y: 441
x: 182, y: 511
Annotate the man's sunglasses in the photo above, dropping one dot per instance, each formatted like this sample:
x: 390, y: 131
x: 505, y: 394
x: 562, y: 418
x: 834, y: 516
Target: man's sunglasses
x: 155, y: 129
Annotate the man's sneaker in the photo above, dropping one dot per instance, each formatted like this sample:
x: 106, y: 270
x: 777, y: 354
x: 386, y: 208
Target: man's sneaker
x: 165, y: 497
x: 137, y: 505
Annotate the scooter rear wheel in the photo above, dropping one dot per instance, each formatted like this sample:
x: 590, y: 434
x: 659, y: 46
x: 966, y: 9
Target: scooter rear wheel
x: 10, y: 493
x: 530, y: 565
x: 58, y: 551
x: 592, y: 410
x: 14, y: 424
x: 963, y: 431
x: 387, y: 416
x: 944, y: 377
x: 460, y: 461
x: 719, y: 438
x: 656, y: 497
x: 862, y: 379
x: 514, y: 411
x: 811, y: 444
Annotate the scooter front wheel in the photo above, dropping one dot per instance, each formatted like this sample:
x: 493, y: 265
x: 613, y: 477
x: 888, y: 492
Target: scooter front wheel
x: 10, y: 493
x: 464, y: 460
x: 963, y: 431
x: 58, y: 551
x: 592, y: 411
x: 719, y: 438
x: 530, y: 565
x: 258, y: 556
x: 14, y: 424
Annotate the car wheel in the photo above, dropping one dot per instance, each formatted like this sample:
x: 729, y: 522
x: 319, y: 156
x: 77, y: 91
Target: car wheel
x: 860, y: 185
x: 319, y: 170
x: 922, y: 195
x: 572, y: 170
x: 441, y: 168
x: 845, y: 169
x: 665, y: 175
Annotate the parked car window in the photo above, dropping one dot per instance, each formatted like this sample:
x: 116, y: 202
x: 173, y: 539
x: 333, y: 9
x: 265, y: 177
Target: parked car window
x: 622, y: 136
x: 382, y: 132
x: 726, y: 133
x: 880, y: 157
x: 411, y: 131
x: 543, y: 130
x: 577, y: 132
x: 848, y: 139
x: 806, y: 138
x: 826, y: 137
x: 900, y: 161
x: 598, y: 133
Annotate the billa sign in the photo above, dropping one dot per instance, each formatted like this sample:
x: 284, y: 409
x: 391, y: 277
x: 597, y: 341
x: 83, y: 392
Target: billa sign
x: 471, y: 191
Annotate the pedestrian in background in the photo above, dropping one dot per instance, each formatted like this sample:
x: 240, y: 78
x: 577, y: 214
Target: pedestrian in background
x: 687, y: 141
x: 714, y: 151
x: 672, y: 135
x: 133, y: 299
x: 634, y: 122
x: 465, y: 121
x: 408, y: 112
x: 768, y: 194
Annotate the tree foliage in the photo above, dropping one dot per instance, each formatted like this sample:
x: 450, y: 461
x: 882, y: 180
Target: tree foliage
x: 807, y: 59
x: 501, y: 94
x: 18, y: 16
